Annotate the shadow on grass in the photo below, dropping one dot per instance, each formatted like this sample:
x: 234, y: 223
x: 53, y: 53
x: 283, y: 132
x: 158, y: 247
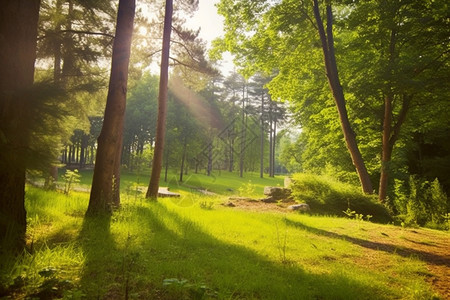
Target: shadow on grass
x: 429, y: 258
x: 168, y: 257
x: 100, y: 258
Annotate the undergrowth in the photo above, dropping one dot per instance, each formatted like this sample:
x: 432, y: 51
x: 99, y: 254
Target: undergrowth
x: 327, y: 196
x: 194, y: 248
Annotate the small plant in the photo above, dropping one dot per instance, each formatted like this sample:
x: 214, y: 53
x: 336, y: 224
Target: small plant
x: 282, y: 245
x: 206, y: 205
x: 247, y: 189
x: 350, y: 213
x: 190, y: 290
x: 52, y: 287
x: 70, y: 177
x: 359, y: 217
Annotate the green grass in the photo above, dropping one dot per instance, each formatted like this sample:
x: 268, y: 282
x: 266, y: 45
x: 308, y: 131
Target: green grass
x: 330, y: 197
x: 223, y: 182
x: 177, y: 249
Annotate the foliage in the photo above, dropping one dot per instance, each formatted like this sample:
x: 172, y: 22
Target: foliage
x: 387, y: 52
x: 70, y: 178
x: 330, y: 197
x: 422, y: 203
x: 247, y: 189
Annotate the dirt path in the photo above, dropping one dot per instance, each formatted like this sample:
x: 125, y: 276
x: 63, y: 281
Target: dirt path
x: 430, y: 246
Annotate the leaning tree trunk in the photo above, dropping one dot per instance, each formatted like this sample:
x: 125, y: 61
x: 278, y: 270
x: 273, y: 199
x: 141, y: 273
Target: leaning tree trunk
x: 106, y: 176
x: 338, y: 95
x: 153, y: 186
x: 18, y: 33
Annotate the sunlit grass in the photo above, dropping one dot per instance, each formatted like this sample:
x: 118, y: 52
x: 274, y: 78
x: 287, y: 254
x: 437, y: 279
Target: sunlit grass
x: 223, y: 182
x: 195, y: 248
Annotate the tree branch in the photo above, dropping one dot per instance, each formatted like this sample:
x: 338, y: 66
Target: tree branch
x: 81, y: 32
x: 406, y: 100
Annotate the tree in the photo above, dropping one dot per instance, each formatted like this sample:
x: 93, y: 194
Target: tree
x: 153, y: 186
x: 18, y: 32
x: 140, y: 119
x: 327, y: 41
x: 404, y: 47
x: 106, y: 180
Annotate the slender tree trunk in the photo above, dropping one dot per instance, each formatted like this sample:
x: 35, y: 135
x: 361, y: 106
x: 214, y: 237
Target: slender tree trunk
x: 231, y: 151
x: 242, y: 151
x: 210, y: 162
x: 338, y: 94
x: 153, y: 186
x: 116, y: 172
x: 166, y: 166
x: 270, y: 138
x: 105, y: 182
x: 274, y: 138
x: 390, y: 136
x: 18, y: 32
x: 183, y: 158
x: 261, y: 155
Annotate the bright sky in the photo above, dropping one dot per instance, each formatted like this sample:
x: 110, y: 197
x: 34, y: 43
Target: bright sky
x: 211, y: 27
x: 208, y: 20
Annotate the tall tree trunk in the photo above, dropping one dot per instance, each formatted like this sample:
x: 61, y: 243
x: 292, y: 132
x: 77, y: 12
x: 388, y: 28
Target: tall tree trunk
x: 274, y: 138
x: 231, y: 150
x: 270, y: 138
x: 390, y: 136
x: 18, y: 32
x: 210, y: 159
x: 183, y: 158
x: 153, y: 186
x: 261, y: 154
x: 106, y: 178
x: 166, y: 171
x: 338, y: 95
x: 242, y: 151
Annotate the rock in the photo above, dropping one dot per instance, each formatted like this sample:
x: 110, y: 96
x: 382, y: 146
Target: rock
x: 229, y: 204
x: 164, y: 192
x: 278, y: 193
x: 268, y: 200
x: 300, y: 207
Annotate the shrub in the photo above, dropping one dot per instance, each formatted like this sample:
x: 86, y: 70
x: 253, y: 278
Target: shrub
x: 422, y: 203
x: 330, y: 197
x: 70, y: 177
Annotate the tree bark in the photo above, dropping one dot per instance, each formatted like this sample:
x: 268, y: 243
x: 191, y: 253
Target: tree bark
x: 242, y: 146
x: 390, y: 136
x: 106, y: 171
x: 274, y: 142
x: 183, y: 158
x: 18, y: 34
x: 153, y: 186
x: 261, y: 158
x: 327, y: 42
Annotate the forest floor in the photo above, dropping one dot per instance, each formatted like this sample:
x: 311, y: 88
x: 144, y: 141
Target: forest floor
x: 424, y: 244
x: 201, y: 246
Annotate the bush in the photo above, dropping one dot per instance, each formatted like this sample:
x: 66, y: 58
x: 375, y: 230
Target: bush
x: 330, y: 197
x: 422, y: 203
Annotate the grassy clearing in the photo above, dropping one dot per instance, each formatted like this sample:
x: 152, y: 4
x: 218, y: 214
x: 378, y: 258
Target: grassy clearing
x: 195, y: 248
x: 223, y: 183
